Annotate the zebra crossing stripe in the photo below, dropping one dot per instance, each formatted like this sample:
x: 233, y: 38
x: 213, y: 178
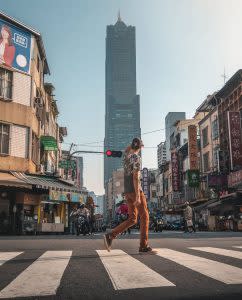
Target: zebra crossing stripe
x: 5, y: 256
x: 230, y: 253
x: 239, y: 247
x: 127, y: 272
x: 41, y: 278
x: 216, y: 270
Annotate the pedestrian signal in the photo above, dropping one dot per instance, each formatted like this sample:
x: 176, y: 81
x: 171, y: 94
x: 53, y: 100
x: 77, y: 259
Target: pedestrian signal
x: 112, y: 153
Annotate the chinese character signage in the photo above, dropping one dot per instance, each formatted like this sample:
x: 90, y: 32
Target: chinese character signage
x: 15, y: 46
x: 235, y: 144
x: 175, y: 171
x: 145, y: 182
x: 193, y: 178
x: 192, y: 146
x: 235, y: 179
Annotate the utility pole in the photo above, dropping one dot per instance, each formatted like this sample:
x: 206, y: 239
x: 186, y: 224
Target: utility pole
x: 69, y: 158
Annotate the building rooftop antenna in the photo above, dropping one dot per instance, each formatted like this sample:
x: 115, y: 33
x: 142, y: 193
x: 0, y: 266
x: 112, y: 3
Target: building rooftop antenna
x: 224, y: 76
x: 119, y: 16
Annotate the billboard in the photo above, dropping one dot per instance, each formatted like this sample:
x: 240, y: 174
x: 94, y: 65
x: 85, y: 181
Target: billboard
x: 193, y: 178
x: 15, y: 47
x: 235, y: 179
x: 175, y: 171
x: 235, y: 144
x: 192, y: 146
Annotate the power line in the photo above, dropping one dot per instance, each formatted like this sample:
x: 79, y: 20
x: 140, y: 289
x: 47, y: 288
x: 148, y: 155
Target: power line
x: 145, y: 133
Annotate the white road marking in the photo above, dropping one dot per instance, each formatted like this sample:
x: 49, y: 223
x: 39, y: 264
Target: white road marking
x: 41, y: 278
x: 239, y: 247
x: 5, y: 256
x: 127, y: 272
x: 230, y: 253
x: 216, y: 270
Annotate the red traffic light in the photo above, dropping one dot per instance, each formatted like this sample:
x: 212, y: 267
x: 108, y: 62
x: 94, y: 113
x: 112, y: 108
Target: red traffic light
x: 109, y: 153
x: 112, y: 153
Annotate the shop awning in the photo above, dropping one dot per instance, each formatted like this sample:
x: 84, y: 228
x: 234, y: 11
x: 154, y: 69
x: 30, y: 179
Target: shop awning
x: 49, y: 143
x: 45, y: 182
x: 8, y: 180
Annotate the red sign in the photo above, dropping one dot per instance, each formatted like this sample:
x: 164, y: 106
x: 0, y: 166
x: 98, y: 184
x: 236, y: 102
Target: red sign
x: 175, y: 171
x: 192, y: 146
x: 235, y: 178
x: 235, y: 144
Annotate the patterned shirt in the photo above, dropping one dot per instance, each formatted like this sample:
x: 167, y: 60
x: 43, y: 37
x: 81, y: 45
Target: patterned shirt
x: 131, y: 162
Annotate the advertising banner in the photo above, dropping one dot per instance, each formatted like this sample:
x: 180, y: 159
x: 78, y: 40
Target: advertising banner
x: 145, y: 182
x: 15, y: 46
x: 175, y: 171
x: 65, y: 196
x: 193, y: 178
x: 235, y: 179
x: 235, y: 144
x: 217, y: 180
x: 192, y: 146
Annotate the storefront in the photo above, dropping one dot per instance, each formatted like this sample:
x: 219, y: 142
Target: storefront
x: 31, y: 204
x: 54, y: 211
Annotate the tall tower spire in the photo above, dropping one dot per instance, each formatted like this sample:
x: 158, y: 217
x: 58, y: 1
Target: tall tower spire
x: 119, y: 17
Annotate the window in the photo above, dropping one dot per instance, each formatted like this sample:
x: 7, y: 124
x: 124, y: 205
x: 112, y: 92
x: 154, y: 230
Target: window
x: 6, y: 82
x: 35, y: 149
x: 215, y: 129
x: 206, y: 162
x: 205, y: 136
x: 4, y: 138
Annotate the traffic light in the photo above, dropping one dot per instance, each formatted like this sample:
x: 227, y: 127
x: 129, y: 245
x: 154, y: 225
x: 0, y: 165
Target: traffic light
x: 112, y: 153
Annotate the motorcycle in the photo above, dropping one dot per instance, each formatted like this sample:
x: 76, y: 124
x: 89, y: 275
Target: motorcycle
x: 82, y: 225
x: 158, y: 225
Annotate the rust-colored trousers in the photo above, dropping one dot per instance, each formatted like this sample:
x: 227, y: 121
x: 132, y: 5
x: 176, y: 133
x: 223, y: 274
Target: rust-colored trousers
x: 133, y: 215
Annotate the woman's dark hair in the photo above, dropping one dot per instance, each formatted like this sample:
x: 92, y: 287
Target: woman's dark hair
x: 136, y: 144
x: 6, y: 28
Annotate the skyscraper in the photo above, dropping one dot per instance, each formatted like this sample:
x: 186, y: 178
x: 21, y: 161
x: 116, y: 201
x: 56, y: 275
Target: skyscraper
x: 122, y: 112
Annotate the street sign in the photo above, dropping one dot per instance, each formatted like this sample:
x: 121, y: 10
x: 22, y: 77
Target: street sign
x: 67, y: 164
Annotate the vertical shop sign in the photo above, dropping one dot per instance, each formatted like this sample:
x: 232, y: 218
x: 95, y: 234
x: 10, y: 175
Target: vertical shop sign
x: 235, y: 144
x: 145, y: 183
x: 192, y: 147
x: 175, y: 171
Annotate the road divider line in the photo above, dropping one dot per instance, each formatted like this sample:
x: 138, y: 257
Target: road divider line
x: 219, y: 251
x: 6, y: 256
x: 213, y: 269
x: 127, y: 272
x: 41, y: 278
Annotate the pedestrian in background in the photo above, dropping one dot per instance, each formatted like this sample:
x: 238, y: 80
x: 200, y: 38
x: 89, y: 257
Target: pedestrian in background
x: 90, y: 205
x: 135, y: 199
x: 73, y: 220
x: 188, y: 217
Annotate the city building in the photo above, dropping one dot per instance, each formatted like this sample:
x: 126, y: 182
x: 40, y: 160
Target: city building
x: 74, y: 172
x: 122, y: 110
x: 115, y: 189
x: 31, y: 189
x: 161, y: 153
x: 100, y: 204
x: 170, y: 119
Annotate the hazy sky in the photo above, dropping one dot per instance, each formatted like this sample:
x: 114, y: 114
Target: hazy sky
x: 182, y: 48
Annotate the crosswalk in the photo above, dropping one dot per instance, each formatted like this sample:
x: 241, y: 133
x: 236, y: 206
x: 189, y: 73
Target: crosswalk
x: 125, y: 271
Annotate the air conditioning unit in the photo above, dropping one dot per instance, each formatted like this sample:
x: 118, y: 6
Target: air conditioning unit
x: 38, y: 101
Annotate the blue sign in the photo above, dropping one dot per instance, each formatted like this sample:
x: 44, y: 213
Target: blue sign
x: 15, y: 47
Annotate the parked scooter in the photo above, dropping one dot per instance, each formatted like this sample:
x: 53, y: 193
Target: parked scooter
x: 82, y: 225
x: 158, y: 225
